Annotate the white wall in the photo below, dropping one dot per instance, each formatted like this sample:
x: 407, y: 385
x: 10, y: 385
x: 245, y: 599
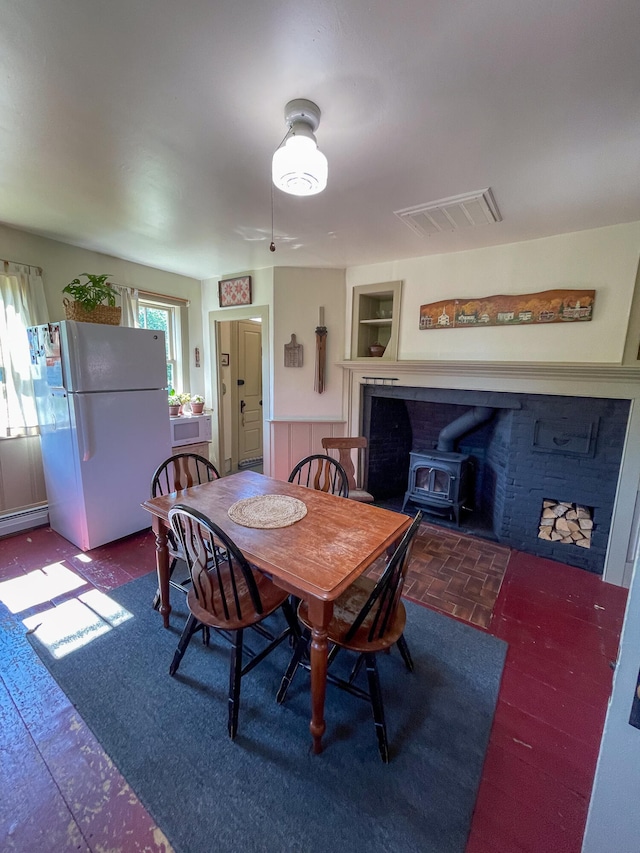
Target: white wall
x: 61, y: 263
x: 287, y: 299
x: 261, y: 298
x: 613, y: 822
x: 292, y: 296
x: 298, y: 295
x: 604, y: 259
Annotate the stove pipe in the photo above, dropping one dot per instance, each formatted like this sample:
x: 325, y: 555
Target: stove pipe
x: 465, y: 423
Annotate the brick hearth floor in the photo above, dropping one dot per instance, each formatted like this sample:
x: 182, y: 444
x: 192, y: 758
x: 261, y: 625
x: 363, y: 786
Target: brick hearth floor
x: 458, y: 574
x: 60, y: 792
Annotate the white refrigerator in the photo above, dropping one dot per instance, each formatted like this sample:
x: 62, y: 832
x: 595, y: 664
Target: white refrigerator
x: 104, y: 424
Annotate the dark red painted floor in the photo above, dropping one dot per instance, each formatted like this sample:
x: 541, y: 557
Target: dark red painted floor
x: 562, y: 625
x: 61, y: 793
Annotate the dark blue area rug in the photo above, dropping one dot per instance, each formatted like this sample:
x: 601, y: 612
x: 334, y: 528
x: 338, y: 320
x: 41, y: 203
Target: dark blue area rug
x: 265, y: 791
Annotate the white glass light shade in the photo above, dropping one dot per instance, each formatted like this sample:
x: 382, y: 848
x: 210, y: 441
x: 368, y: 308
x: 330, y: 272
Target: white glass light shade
x: 298, y: 167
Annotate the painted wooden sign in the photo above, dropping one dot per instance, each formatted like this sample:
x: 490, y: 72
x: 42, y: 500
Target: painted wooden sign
x: 524, y: 309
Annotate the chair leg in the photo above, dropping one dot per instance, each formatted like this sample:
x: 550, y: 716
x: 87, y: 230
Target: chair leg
x: 406, y: 654
x: 235, y: 676
x: 378, y: 709
x: 293, y: 602
x: 296, y: 657
x: 292, y: 619
x: 333, y: 654
x: 356, y: 668
x: 185, y: 638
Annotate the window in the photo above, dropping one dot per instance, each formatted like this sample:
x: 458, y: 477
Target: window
x: 22, y: 304
x: 166, y: 318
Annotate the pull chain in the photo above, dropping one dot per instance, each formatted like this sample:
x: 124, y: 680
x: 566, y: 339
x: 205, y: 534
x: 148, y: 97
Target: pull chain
x: 272, y: 245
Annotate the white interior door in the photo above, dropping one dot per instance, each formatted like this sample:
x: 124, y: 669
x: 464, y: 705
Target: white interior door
x: 249, y: 391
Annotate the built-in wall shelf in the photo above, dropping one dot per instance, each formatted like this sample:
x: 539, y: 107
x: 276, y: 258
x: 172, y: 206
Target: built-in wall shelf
x: 375, y: 319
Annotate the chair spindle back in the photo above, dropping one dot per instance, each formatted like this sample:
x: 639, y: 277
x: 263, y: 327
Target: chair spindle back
x: 381, y: 605
x: 219, y: 571
x: 181, y: 472
x: 322, y: 473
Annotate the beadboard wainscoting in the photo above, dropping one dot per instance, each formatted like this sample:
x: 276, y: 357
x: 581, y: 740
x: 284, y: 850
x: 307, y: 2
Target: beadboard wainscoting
x: 22, y: 491
x: 292, y: 440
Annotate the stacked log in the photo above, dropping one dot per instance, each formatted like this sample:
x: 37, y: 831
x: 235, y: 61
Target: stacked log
x: 567, y: 523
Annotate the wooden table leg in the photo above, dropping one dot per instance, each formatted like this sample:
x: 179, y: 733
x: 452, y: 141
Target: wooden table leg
x: 162, y: 564
x: 320, y: 613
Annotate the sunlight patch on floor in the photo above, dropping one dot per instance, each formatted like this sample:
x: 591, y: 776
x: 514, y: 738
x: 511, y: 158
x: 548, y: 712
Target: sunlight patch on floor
x: 76, y: 623
x: 36, y: 587
x: 83, y: 558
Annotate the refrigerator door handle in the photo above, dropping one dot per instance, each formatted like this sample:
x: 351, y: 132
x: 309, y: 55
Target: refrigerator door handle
x: 82, y: 426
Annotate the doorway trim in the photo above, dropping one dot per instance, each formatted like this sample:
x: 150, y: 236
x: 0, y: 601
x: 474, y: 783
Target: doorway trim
x: 217, y: 438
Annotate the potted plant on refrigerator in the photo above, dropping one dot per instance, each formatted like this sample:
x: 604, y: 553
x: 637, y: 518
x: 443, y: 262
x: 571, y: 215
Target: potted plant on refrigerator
x: 197, y: 404
x: 94, y: 300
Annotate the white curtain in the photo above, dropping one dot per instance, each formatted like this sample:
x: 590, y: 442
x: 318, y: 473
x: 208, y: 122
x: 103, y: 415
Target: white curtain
x: 129, y: 302
x: 22, y: 304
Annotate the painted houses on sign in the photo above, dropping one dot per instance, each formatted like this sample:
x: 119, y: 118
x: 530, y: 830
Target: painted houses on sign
x: 548, y: 306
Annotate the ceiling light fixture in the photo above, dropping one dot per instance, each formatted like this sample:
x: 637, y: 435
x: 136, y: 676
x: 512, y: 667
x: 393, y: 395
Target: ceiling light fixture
x: 298, y: 167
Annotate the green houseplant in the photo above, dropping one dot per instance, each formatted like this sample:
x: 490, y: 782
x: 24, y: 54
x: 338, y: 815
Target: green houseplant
x: 197, y: 404
x: 174, y: 403
x: 94, y: 300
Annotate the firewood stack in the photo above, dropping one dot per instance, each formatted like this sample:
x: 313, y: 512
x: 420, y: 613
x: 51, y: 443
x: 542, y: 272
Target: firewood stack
x: 570, y: 524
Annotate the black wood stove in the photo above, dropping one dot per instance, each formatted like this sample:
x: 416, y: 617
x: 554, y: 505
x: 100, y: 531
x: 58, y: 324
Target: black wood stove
x: 439, y: 480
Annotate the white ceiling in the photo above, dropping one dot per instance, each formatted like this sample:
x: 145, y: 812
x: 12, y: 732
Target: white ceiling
x: 145, y: 128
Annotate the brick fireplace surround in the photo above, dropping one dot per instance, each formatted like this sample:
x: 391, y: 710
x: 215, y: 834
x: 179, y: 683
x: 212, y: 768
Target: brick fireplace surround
x: 566, y: 432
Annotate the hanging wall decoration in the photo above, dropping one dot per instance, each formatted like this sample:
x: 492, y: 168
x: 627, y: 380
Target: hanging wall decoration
x: 524, y: 309
x: 321, y: 353
x: 235, y: 291
x: 293, y: 353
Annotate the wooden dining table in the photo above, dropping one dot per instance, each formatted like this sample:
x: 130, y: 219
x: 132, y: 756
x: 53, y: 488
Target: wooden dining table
x: 316, y: 558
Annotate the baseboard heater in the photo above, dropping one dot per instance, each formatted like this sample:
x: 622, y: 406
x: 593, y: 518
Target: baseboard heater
x: 24, y: 519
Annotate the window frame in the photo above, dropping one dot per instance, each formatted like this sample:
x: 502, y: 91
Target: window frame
x: 174, y: 333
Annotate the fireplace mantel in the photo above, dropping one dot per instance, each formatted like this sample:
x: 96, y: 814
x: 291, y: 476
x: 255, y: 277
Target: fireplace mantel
x: 613, y: 381
x: 628, y: 375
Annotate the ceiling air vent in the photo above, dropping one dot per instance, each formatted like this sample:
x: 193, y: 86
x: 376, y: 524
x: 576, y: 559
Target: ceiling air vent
x: 451, y: 214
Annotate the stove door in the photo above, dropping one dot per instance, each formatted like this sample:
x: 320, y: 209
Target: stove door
x: 433, y: 481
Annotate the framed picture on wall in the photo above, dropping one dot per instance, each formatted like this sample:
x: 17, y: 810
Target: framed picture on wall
x: 224, y: 359
x: 234, y: 291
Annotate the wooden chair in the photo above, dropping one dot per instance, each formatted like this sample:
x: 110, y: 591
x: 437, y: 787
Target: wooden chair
x: 174, y: 474
x: 344, y: 447
x: 228, y: 595
x: 369, y: 617
x: 323, y: 473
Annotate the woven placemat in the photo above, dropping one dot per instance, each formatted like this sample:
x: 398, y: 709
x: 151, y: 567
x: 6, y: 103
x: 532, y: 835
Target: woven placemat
x: 266, y: 511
